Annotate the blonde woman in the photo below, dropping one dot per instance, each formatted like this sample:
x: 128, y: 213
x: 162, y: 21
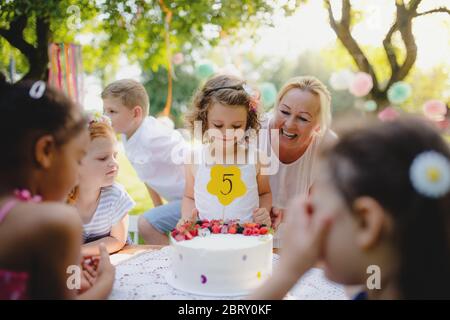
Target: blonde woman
x: 301, y: 118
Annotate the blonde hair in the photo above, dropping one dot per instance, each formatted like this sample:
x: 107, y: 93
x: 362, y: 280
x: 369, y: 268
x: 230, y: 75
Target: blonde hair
x: 315, y: 86
x: 225, y: 89
x: 130, y: 92
x: 96, y: 130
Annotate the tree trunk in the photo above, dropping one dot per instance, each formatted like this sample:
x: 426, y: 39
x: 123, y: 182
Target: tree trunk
x: 37, y: 56
x: 39, y: 60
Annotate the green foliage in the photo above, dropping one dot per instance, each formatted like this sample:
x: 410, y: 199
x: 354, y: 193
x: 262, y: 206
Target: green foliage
x: 184, y: 86
x: 135, y: 27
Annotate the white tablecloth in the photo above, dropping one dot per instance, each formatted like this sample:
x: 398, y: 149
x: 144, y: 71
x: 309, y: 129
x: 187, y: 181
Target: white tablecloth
x: 143, y: 277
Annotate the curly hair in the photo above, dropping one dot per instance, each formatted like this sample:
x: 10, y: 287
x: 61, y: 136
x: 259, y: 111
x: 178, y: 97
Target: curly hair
x: 225, y: 89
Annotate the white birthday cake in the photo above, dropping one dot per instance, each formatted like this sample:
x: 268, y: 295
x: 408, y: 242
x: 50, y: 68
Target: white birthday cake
x: 220, y: 259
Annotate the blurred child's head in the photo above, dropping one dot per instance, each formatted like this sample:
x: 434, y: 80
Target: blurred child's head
x: 44, y: 138
x: 387, y: 211
x: 224, y: 105
x: 126, y: 103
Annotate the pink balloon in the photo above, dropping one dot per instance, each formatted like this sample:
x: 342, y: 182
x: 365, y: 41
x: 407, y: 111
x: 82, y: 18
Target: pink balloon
x: 178, y: 58
x: 388, y: 114
x: 361, y: 85
x: 435, y: 109
x: 444, y: 124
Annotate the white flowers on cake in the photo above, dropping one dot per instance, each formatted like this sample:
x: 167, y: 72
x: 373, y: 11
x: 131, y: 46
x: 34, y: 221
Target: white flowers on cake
x: 430, y: 174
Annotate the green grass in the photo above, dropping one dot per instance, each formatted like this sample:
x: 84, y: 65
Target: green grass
x: 137, y: 190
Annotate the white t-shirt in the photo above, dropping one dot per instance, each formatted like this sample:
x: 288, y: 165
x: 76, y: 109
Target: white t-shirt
x: 150, y: 152
x: 294, y: 178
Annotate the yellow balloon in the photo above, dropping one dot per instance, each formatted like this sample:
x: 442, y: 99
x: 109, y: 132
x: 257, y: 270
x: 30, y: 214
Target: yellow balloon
x: 226, y: 183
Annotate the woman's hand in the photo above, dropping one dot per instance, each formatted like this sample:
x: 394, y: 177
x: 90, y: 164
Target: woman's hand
x: 193, y: 218
x: 276, y: 216
x: 303, y: 238
x: 262, y: 216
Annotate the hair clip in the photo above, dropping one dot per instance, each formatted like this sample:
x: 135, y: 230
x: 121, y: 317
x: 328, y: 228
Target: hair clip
x: 254, y: 97
x: 97, y: 117
x: 430, y: 174
x: 37, y: 89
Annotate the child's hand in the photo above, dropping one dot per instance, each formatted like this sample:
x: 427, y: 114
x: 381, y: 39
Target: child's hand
x: 276, y: 216
x: 262, y: 216
x: 193, y: 218
x: 303, y: 238
x: 88, y: 277
x: 105, y: 270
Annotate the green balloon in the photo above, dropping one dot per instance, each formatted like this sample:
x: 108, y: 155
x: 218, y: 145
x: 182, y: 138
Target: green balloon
x: 205, y: 70
x: 268, y: 93
x: 399, y: 92
x: 370, y: 106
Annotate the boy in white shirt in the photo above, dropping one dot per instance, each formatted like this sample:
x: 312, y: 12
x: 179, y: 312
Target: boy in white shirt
x: 148, y: 145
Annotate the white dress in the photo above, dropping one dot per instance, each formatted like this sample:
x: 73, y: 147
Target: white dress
x: 209, y: 205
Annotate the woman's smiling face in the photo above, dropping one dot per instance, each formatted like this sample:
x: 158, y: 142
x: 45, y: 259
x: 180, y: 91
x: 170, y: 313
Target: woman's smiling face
x: 297, y: 118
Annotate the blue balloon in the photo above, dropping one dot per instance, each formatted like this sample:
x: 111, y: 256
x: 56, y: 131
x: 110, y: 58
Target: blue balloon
x: 399, y: 92
x: 370, y: 106
x: 268, y: 94
x: 204, y: 70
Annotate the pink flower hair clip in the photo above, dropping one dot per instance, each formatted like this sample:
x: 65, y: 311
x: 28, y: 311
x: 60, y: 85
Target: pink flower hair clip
x: 97, y: 117
x: 254, y: 97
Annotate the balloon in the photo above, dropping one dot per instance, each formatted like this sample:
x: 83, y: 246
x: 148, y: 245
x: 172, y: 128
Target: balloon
x: 268, y: 93
x: 443, y: 124
x: 435, y: 110
x: 388, y: 114
x: 205, y: 70
x: 341, y: 80
x: 178, y: 58
x: 399, y: 92
x: 370, y: 106
x: 361, y: 84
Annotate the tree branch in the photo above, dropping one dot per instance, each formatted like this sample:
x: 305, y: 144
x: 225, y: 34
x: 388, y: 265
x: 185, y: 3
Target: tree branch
x: 389, y: 48
x: 37, y: 56
x: 14, y: 35
x: 404, y: 19
x: 342, y: 30
x: 438, y: 10
x: 413, y: 5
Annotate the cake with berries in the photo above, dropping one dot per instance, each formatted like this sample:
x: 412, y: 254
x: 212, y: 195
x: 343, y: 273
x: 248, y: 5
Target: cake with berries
x: 217, y: 258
